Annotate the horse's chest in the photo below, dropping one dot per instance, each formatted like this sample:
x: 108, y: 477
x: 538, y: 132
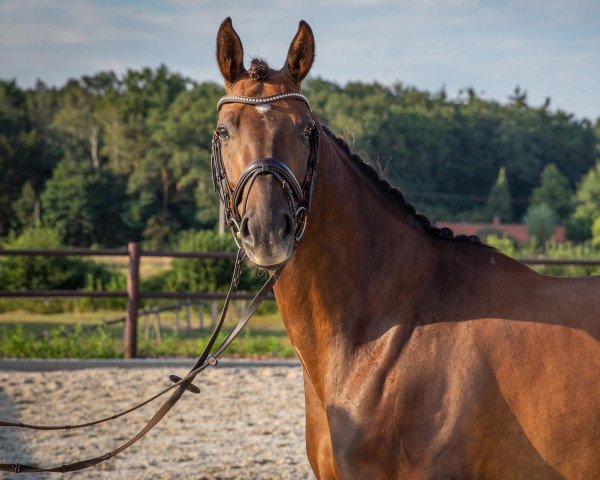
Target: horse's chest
x: 375, y: 434
x: 400, y: 421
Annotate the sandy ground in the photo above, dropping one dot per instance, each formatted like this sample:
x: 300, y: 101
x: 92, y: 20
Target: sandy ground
x: 248, y: 423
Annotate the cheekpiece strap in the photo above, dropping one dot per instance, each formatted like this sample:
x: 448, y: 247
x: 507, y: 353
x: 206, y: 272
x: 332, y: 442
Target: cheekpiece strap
x: 260, y: 100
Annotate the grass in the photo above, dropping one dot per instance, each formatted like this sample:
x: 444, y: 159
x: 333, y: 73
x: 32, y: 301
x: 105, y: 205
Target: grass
x: 78, y: 335
x: 17, y: 341
x: 62, y: 318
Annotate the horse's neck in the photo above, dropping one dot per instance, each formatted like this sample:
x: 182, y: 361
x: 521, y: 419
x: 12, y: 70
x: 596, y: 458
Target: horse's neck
x: 357, y: 269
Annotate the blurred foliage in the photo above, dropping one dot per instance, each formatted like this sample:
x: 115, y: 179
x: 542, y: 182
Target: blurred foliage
x: 596, y: 232
x: 109, y: 158
x: 554, y: 192
x: 103, y: 342
x: 541, y: 221
x: 59, y: 342
x: 21, y: 272
x: 203, y: 275
x: 587, y: 199
x: 498, y: 202
x: 551, y: 250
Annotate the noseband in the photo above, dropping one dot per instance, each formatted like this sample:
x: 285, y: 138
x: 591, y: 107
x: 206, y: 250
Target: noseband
x: 299, y: 196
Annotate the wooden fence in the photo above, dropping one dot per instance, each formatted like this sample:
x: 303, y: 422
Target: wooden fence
x: 133, y: 294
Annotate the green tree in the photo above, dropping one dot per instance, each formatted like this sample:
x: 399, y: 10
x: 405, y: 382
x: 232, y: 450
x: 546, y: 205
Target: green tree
x: 587, y: 198
x: 596, y: 232
x: 158, y: 203
x: 26, y: 208
x: 85, y: 206
x: 77, y: 121
x: 541, y: 221
x: 554, y: 191
x: 27, y: 148
x: 499, y: 203
x: 15, y: 144
x: 150, y: 129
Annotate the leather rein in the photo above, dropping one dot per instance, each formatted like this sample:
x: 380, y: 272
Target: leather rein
x: 299, y: 201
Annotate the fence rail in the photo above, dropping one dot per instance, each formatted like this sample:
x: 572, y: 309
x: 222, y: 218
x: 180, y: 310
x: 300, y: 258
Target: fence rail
x: 123, y: 294
x: 133, y: 294
x: 110, y: 252
x: 585, y: 262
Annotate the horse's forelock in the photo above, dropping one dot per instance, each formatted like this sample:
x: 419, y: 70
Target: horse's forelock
x: 259, y: 70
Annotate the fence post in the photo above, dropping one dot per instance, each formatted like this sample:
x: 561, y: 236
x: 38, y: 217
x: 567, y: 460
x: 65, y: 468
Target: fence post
x: 133, y: 297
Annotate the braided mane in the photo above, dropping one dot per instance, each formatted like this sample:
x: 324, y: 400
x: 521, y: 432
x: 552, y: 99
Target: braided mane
x: 395, y: 195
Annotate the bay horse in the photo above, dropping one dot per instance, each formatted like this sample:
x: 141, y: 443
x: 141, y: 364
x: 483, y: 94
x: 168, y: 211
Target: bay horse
x: 425, y: 355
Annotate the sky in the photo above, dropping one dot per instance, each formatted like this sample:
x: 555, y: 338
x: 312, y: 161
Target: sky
x: 550, y: 48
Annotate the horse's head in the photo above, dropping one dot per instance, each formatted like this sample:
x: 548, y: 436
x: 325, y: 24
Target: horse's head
x: 265, y: 147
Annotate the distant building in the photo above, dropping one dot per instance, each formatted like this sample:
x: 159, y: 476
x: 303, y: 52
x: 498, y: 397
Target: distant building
x: 516, y: 231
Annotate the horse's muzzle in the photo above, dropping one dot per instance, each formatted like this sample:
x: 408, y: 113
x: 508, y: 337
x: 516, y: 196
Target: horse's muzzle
x: 267, y: 236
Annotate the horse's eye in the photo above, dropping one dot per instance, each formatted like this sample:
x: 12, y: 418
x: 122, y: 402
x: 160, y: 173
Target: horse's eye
x: 222, y: 132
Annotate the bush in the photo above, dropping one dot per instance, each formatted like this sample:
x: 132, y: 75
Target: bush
x: 503, y: 243
x: 552, y: 250
x: 596, y: 232
x: 203, y: 275
x: 578, y: 229
x: 19, y: 272
x: 570, y: 251
x: 541, y: 221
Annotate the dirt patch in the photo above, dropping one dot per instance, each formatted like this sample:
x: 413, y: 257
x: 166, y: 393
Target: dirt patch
x: 248, y: 423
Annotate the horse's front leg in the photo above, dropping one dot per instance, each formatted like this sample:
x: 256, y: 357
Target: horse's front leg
x: 318, y: 439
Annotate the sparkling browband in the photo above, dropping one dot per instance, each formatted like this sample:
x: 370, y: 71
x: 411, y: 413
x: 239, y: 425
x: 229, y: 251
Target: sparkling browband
x: 260, y: 100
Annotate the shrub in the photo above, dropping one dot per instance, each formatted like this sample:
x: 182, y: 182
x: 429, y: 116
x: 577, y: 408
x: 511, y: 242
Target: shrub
x: 570, y: 251
x: 21, y: 272
x: 502, y: 243
x: 541, y: 222
x: 596, y: 232
x: 203, y: 275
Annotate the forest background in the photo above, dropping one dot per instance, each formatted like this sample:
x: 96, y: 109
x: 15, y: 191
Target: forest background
x: 107, y: 159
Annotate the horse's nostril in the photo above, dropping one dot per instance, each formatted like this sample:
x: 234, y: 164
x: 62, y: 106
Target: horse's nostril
x: 288, y: 225
x: 244, y: 230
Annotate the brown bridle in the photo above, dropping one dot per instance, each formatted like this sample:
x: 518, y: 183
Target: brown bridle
x: 299, y: 200
x: 299, y: 196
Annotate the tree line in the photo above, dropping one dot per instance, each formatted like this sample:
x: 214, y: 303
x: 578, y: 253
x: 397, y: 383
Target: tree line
x: 106, y: 159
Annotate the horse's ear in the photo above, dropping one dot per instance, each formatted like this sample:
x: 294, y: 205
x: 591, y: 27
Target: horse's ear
x: 301, y: 53
x: 230, y: 53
